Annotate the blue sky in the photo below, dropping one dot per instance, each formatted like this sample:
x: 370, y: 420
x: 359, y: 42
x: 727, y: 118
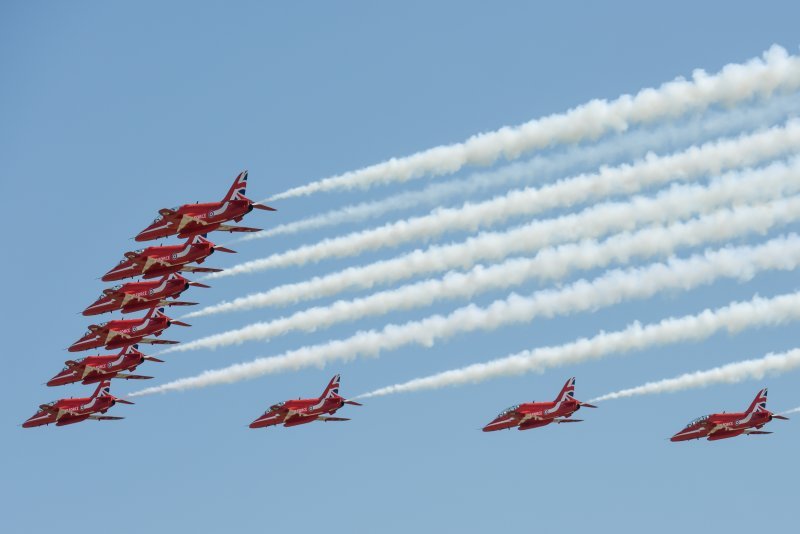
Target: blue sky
x: 112, y: 111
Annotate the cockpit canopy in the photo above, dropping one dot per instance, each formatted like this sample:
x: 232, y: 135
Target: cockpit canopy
x: 696, y: 421
x: 508, y: 410
x: 160, y: 217
x: 276, y: 407
x: 115, y: 288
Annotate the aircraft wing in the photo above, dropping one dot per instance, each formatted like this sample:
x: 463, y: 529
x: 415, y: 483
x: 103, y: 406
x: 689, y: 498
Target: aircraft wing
x: 188, y: 219
x: 180, y: 219
x: 131, y: 297
x: 113, y: 334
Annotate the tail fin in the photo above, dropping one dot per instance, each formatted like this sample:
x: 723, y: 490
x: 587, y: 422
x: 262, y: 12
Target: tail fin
x: 567, y: 392
x: 332, y: 389
x: 103, y: 389
x: 759, y: 404
x: 198, y: 240
x: 239, y: 187
x: 152, y: 312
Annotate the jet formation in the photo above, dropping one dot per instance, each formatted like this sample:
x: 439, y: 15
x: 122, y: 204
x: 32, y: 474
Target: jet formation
x: 161, y: 268
x: 161, y: 284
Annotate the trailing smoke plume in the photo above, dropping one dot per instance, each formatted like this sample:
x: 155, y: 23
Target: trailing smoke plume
x: 759, y: 77
x: 540, y: 169
x: 624, y: 179
x: 550, y: 263
x: 728, y: 374
x: 673, y: 204
x: 613, y: 287
x: 733, y: 318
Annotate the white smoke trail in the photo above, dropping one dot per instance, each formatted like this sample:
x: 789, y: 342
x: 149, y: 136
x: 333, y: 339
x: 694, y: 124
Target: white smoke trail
x: 551, y: 263
x: 733, y: 318
x: 741, y: 263
x: 673, y: 204
x: 729, y: 374
x: 793, y: 410
x: 653, y: 170
x: 759, y: 77
x: 543, y: 168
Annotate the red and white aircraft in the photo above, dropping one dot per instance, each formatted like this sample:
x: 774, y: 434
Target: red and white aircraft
x: 301, y: 411
x: 194, y: 219
x: 122, y: 332
x: 151, y: 262
x: 727, y: 425
x: 67, y: 411
x: 136, y: 296
x: 102, y: 367
x: 536, y: 414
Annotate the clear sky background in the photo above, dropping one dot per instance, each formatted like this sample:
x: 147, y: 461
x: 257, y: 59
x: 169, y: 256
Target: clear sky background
x: 109, y: 112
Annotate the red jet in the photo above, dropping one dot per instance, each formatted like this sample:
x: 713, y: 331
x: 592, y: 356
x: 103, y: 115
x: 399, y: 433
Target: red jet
x: 67, y: 411
x: 94, y: 369
x: 302, y: 411
x: 136, y: 296
x: 727, y: 425
x: 194, y: 219
x: 122, y: 332
x: 151, y: 262
x: 536, y: 414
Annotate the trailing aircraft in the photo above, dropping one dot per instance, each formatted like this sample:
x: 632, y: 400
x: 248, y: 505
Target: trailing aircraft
x: 136, y: 296
x: 302, y: 411
x: 122, y: 332
x: 74, y: 410
x: 97, y: 368
x: 724, y: 425
x: 152, y: 262
x: 536, y: 414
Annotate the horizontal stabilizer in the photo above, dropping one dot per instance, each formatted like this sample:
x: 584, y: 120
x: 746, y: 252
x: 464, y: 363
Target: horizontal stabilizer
x: 177, y: 303
x: 263, y: 207
x: 179, y: 323
x: 326, y: 419
x: 759, y: 432
x: 154, y: 341
x: 153, y: 359
x: 354, y: 403
x: 224, y: 249
x: 198, y: 284
x: 195, y: 269
x: 132, y: 377
x: 569, y: 420
x: 105, y: 417
x: 781, y: 417
x: 227, y: 228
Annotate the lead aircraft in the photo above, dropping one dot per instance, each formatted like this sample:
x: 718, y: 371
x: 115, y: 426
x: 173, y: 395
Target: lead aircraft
x: 302, y: 411
x: 535, y: 414
x: 194, y: 219
x: 68, y: 411
x: 723, y: 425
